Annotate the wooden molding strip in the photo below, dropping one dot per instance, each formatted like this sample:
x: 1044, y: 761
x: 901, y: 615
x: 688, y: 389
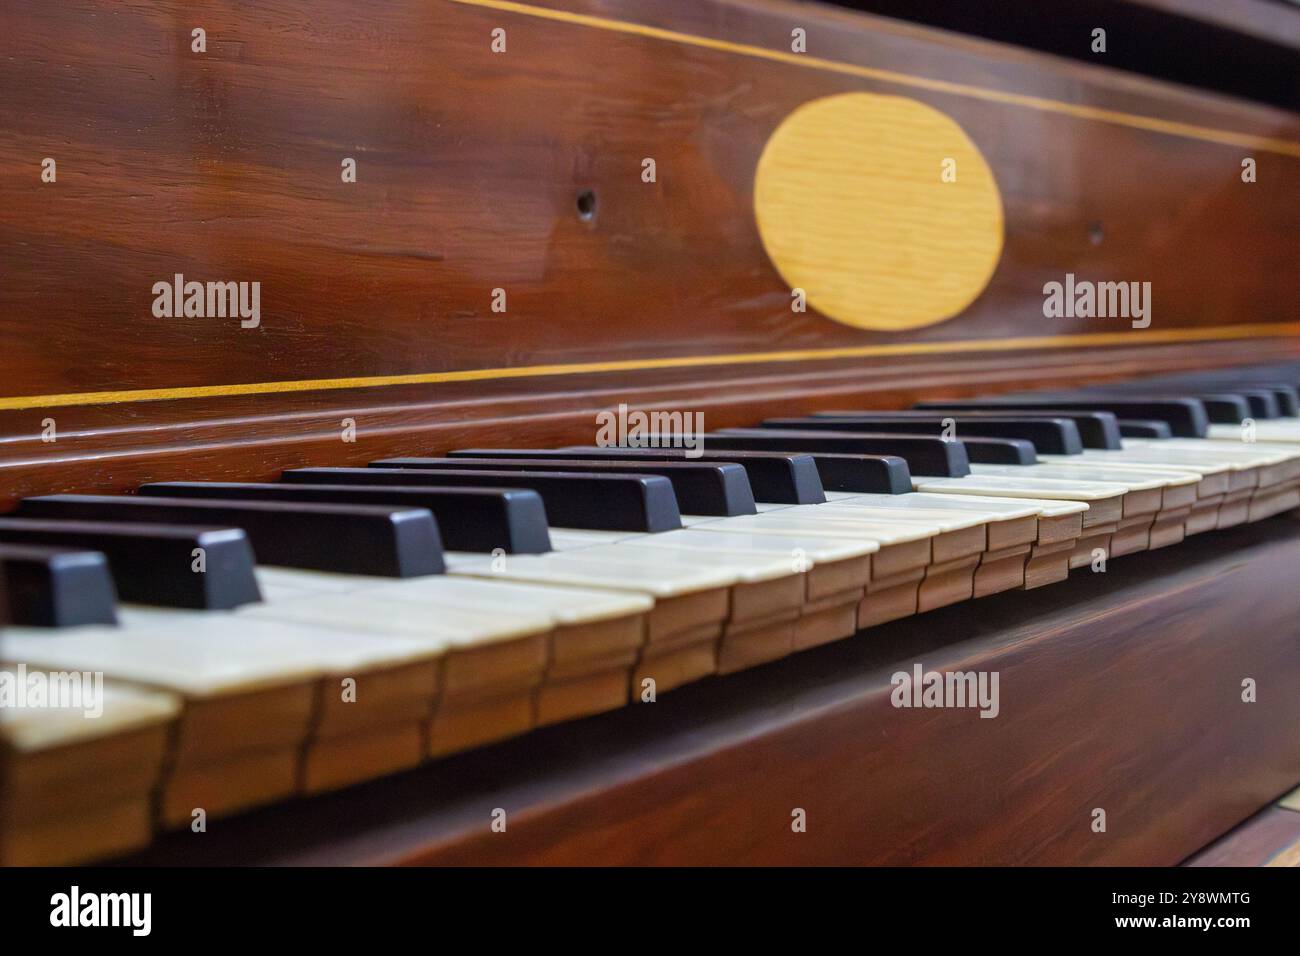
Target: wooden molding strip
x: 1022, y: 343
x: 1152, y: 124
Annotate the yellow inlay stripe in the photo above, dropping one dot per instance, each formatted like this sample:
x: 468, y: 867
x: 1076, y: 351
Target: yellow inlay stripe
x: 1146, y: 337
x: 1117, y: 117
x: 1168, y: 127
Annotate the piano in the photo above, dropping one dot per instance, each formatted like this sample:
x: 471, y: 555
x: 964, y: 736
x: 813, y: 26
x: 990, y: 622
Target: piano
x: 464, y: 431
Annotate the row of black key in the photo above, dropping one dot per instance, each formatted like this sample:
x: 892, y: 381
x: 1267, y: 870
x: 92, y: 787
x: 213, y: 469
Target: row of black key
x: 380, y: 520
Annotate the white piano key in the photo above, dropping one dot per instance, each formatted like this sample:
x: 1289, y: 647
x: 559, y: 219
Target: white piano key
x: 564, y: 605
x: 943, y: 520
x: 1138, y: 467
x: 571, y: 539
x: 1004, y: 486
x: 817, y: 549
x: 1257, y: 454
x: 1270, y: 429
x: 123, y: 709
x: 992, y: 509
x: 1126, y: 479
x: 1047, y: 507
x: 202, y: 654
x: 701, y: 538
x: 277, y: 583
x: 832, y: 525
x: 426, y: 619
x: 637, y: 558
x: 573, y: 568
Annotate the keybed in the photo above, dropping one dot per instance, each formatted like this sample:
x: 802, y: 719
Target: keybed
x: 261, y: 640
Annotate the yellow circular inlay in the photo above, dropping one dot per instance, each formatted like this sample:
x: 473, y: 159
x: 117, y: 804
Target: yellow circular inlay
x: 880, y: 209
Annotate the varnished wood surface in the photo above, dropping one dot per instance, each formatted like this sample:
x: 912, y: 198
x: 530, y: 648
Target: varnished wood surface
x: 119, y: 447
x: 225, y: 166
x: 1119, y: 691
x: 1246, y: 48
x: 1270, y: 838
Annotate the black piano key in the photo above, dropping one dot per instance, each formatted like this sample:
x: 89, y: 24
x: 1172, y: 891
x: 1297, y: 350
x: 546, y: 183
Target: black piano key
x: 55, y: 587
x: 469, y: 519
x: 156, y: 563
x: 1220, y: 408
x: 1225, y: 401
x: 1144, y: 428
x: 775, y: 478
x: 702, y: 488
x: 1096, y: 429
x: 861, y: 474
x: 989, y: 451
x: 1049, y: 436
x: 1271, y: 378
x: 1186, y: 417
x: 349, y: 539
x: 1263, y: 403
x: 1286, y: 396
x: 992, y: 451
x: 620, y: 502
x: 923, y: 455
x: 1225, y: 409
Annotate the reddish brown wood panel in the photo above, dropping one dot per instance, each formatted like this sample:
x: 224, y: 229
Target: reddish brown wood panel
x: 1272, y: 837
x: 1119, y: 691
x: 118, y: 447
x: 225, y: 166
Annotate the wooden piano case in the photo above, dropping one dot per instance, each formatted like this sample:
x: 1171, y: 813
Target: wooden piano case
x: 506, y: 265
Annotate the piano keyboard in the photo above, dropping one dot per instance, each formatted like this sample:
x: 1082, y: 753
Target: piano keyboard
x: 340, y: 624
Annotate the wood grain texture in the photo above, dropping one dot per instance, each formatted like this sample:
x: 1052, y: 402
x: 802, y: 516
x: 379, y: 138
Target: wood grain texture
x: 1270, y: 838
x: 879, y: 209
x: 1119, y: 691
x: 226, y: 166
x: 1245, y: 48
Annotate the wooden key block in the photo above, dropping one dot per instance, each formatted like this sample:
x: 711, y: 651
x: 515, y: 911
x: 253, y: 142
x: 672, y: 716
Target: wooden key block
x: 331, y: 763
x: 999, y: 571
x: 831, y: 620
x: 748, y: 646
x: 888, y: 604
x: 1131, y: 535
x: 826, y: 580
x: 764, y: 600
x: 690, y: 656
x: 894, y: 559
x: 473, y: 722
x: 89, y: 834
x: 247, y: 779
x: 963, y: 543
x: 1048, y: 564
x: 1053, y: 530
x: 1204, y: 515
x: 947, y: 583
x: 561, y: 699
